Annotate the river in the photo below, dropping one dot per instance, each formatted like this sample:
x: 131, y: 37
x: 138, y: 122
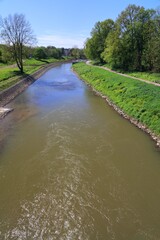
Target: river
x: 72, y: 168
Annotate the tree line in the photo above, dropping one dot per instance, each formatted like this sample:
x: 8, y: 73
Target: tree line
x: 19, y: 43
x: 130, y: 43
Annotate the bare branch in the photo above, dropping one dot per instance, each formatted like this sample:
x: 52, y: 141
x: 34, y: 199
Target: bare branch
x: 17, y: 32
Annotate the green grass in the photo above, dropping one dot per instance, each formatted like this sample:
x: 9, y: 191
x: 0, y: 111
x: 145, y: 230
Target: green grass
x: 33, y: 61
x: 153, y: 77
x: 41, y: 62
x: 137, y: 99
x: 9, y: 75
x: 2, y: 64
x: 31, y: 69
x: 149, y: 76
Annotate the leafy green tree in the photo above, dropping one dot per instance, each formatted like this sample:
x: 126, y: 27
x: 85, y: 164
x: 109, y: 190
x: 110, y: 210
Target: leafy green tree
x: 6, y: 54
x: 59, y: 50
x: 114, y: 52
x: 28, y: 51
x: 89, y: 49
x: 144, y: 32
x: 75, y: 52
x: 131, y: 36
x: 52, y: 52
x: 82, y: 54
x: 132, y: 44
x: 94, y: 46
x: 40, y: 53
x: 151, y: 56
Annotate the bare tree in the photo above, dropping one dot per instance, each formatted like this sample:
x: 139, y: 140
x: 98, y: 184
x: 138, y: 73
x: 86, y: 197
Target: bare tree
x: 16, y: 32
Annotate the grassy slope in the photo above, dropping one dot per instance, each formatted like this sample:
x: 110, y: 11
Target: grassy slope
x: 137, y: 99
x: 149, y: 76
x: 37, y: 62
x: 10, y: 75
x: 153, y: 77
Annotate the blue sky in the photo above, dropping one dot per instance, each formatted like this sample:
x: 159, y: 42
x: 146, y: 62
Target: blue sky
x: 67, y: 23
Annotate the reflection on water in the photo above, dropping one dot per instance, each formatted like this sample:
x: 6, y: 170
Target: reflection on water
x: 72, y: 168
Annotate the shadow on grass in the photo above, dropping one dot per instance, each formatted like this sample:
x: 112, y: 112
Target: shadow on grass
x: 42, y: 60
x: 45, y: 61
x: 17, y: 73
x: 20, y: 75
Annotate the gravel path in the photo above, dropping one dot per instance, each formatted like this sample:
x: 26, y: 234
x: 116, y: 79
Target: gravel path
x: 125, y: 75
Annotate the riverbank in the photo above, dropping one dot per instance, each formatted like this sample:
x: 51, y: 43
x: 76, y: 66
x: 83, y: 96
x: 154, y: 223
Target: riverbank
x: 155, y: 82
x: 10, y: 93
x: 136, y: 101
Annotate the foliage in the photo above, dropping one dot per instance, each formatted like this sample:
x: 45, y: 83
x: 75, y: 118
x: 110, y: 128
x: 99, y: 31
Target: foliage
x: 6, y: 54
x: 136, y: 44
x: 139, y: 100
x: 42, y: 54
x: 77, y: 53
x: 53, y: 52
x: 94, y: 46
x: 114, y: 50
x: 57, y: 53
x: 131, y: 43
x: 39, y: 53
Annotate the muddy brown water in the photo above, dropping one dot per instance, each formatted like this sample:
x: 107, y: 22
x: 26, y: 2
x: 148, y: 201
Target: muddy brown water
x: 72, y: 168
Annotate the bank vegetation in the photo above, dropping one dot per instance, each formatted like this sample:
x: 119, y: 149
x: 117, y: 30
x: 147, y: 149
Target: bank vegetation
x: 139, y: 100
x: 131, y: 43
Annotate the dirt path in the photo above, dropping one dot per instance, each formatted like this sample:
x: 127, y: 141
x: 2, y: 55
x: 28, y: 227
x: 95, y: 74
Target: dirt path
x: 9, y: 66
x: 125, y: 75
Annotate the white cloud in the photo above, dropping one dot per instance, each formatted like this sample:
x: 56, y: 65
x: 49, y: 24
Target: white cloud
x: 61, y: 40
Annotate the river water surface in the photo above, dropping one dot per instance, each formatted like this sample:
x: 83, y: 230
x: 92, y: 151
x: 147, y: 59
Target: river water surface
x: 71, y: 168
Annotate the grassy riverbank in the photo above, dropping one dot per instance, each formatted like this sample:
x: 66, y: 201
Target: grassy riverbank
x: 137, y: 99
x: 9, y: 74
x: 149, y: 76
